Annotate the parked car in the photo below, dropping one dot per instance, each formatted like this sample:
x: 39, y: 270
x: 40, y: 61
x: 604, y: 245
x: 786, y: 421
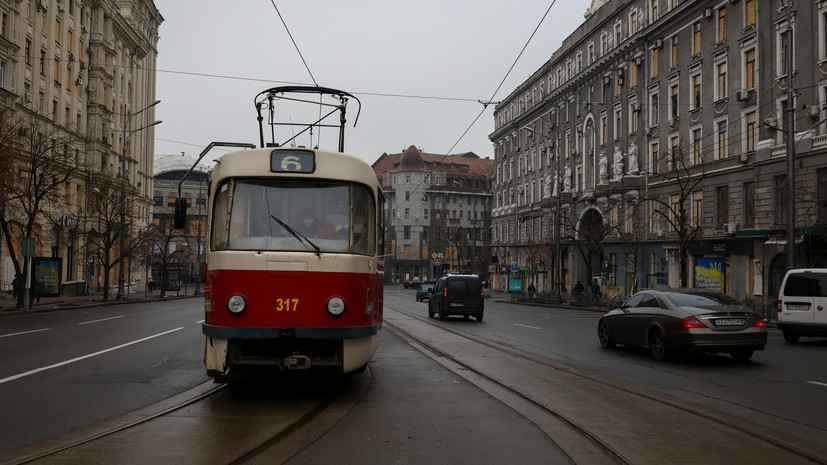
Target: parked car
x: 458, y: 294
x: 411, y: 283
x: 424, y: 292
x: 668, y: 321
x: 801, y: 304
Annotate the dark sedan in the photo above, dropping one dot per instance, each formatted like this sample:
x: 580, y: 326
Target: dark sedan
x: 668, y: 321
x: 424, y: 292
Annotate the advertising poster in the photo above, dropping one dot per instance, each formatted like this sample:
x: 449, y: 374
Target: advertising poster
x: 709, y: 274
x: 46, y: 277
x: 515, y: 284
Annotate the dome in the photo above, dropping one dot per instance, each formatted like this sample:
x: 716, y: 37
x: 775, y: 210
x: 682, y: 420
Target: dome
x: 412, y: 160
x: 179, y: 162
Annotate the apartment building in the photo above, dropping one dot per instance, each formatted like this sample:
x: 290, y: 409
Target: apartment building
x: 82, y: 71
x: 437, y: 213
x: 651, y: 149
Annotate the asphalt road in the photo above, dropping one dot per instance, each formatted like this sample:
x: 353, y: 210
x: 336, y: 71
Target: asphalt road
x: 783, y: 386
x: 63, y: 370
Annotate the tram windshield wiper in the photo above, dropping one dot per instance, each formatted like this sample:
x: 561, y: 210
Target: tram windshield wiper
x: 298, y: 235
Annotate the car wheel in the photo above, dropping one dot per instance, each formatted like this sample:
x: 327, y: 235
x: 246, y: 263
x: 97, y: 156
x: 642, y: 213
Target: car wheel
x: 741, y: 355
x: 442, y: 315
x: 657, y: 345
x: 791, y: 337
x: 603, y: 335
x: 479, y: 317
x: 430, y: 313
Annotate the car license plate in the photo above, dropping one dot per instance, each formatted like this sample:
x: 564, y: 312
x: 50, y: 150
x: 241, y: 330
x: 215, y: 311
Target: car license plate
x: 798, y: 307
x: 456, y: 304
x: 729, y: 322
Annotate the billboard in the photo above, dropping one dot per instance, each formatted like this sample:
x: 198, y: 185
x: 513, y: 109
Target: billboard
x: 710, y: 274
x: 46, y: 277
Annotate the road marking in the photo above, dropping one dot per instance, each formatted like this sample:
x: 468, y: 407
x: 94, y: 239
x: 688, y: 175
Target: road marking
x: 98, y: 321
x: 527, y: 326
x: 83, y: 357
x: 817, y: 383
x: 25, y: 332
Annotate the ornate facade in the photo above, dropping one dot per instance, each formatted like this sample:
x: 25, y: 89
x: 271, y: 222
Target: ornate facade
x: 650, y: 149
x: 85, y: 68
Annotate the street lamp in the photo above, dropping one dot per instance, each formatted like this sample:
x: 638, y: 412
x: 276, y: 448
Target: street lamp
x: 122, y: 231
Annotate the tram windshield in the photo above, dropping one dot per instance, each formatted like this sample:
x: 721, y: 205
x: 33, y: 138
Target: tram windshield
x: 290, y: 215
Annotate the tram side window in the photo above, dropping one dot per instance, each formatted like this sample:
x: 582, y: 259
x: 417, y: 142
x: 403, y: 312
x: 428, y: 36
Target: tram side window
x: 363, y: 232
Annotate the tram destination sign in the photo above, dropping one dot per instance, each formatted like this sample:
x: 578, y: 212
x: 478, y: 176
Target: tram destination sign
x: 292, y: 161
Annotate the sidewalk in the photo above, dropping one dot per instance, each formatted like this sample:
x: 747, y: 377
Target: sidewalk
x: 50, y: 304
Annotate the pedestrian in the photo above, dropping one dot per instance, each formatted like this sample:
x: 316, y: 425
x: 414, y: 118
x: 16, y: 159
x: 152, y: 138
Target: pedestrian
x: 532, y: 291
x: 14, y: 286
x: 151, y: 285
x: 596, y: 290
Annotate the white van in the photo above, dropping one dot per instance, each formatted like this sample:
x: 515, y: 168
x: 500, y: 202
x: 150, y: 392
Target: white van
x: 802, y: 304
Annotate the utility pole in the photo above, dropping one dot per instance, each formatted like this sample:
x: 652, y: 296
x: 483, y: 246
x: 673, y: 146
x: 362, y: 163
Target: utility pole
x: 789, y: 123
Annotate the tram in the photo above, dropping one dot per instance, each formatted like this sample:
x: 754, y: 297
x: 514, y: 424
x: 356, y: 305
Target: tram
x: 294, y: 256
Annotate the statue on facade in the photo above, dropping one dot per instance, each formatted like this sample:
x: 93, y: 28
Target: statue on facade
x: 603, y: 169
x: 617, y: 165
x: 567, y: 180
x: 555, y: 189
x: 633, y: 169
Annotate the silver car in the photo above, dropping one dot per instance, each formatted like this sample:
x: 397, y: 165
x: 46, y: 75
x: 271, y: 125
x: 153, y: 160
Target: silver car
x: 668, y: 321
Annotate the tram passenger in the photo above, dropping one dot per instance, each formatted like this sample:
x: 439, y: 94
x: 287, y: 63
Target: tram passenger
x: 311, y: 227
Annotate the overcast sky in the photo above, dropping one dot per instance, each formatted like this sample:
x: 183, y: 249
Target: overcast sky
x: 417, y: 67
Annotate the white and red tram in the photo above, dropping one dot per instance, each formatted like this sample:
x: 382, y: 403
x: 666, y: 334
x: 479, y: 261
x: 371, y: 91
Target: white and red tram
x: 294, y: 261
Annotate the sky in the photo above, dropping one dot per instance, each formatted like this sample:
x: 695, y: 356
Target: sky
x: 418, y: 68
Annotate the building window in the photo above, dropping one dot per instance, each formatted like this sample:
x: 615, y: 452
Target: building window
x: 654, y: 61
x: 406, y: 234
x: 674, y: 55
x: 653, y: 9
x: 749, y: 68
x: 698, y: 210
x: 721, y: 84
x: 721, y: 25
x: 749, y: 13
x: 675, y: 202
x: 749, y: 204
x: 158, y: 201
x: 751, y: 130
x: 696, y: 90
x: 696, y: 38
x: 721, y: 148
x: 697, y: 159
x: 653, y: 110
x: 673, y: 101
x: 722, y: 207
x: 653, y: 158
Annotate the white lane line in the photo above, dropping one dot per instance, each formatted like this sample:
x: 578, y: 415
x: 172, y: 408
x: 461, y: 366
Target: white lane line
x: 817, y: 383
x: 25, y: 332
x: 103, y: 319
x: 67, y: 362
x: 527, y: 326
x: 199, y: 322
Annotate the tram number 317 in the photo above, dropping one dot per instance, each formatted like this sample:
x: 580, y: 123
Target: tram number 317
x: 287, y: 305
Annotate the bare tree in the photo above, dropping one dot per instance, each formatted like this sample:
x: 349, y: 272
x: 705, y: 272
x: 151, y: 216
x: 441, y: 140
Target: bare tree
x: 675, y: 209
x: 112, y: 219
x: 37, y: 158
x: 162, y: 238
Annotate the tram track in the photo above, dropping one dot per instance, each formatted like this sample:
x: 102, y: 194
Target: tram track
x: 212, y: 423
x: 492, y: 368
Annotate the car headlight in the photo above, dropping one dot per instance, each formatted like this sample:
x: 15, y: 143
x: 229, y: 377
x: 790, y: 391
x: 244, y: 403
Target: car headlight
x: 336, y: 306
x: 236, y: 304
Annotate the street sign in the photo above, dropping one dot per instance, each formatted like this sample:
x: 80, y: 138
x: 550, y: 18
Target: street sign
x: 437, y: 261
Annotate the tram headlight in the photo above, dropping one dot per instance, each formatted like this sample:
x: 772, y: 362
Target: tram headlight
x: 336, y: 306
x: 236, y: 304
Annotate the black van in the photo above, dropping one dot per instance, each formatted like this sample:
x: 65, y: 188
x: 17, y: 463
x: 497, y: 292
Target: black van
x: 458, y: 294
